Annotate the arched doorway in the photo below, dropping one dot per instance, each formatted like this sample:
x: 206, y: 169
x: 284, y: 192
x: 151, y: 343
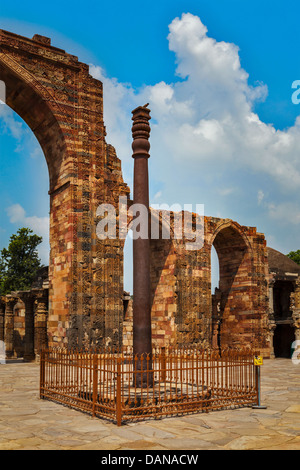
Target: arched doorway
x: 63, y: 106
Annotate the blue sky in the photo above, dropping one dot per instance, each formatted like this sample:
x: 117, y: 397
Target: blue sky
x: 218, y: 77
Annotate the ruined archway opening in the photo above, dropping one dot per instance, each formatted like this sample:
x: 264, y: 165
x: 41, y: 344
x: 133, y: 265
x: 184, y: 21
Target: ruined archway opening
x: 229, y: 299
x: 31, y: 103
x: 24, y: 100
x: 55, y: 94
x: 284, y: 334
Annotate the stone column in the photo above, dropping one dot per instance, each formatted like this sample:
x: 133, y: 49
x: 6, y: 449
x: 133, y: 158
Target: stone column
x: 9, y: 325
x: 271, y: 318
x: 40, y: 321
x: 28, y: 298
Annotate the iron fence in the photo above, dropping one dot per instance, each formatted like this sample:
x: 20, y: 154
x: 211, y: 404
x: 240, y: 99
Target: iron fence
x: 121, y: 386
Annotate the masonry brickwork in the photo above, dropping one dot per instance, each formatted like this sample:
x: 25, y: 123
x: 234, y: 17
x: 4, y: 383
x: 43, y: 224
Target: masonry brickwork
x: 183, y: 310
x: 63, y: 105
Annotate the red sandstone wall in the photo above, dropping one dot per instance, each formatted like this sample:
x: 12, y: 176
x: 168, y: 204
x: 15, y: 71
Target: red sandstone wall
x: 181, y: 288
x: 63, y: 105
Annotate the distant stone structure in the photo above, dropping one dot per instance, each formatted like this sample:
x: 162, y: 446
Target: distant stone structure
x: 80, y: 301
x: 284, y: 298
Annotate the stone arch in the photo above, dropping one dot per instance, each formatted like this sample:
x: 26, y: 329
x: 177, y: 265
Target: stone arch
x: 232, y: 303
x: 63, y: 105
x: 231, y: 225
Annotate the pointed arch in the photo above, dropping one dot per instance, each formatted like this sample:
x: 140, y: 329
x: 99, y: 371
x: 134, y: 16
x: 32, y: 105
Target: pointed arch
x: 233, y: 299
x: 34, y: 104
x: 62, y: 104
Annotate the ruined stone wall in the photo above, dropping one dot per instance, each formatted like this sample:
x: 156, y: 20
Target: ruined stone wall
x: 164, y: 291
x: 243, y: 282
x: 63, y: 105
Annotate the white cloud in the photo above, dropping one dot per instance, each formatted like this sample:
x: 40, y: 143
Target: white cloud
x: 119, y: 99
x: 226, y: 191
x: 207, y: 116
x: 16, y: 213
x: 39, y: 225
x: 206, y: 139
x: 26, y: 142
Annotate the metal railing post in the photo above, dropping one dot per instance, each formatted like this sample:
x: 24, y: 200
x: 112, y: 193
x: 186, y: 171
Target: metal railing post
x: 95, y: 381
x: 163, y: 364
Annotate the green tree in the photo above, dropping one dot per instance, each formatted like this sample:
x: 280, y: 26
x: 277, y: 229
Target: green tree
x: 19, y: 262
x: 295, y: 256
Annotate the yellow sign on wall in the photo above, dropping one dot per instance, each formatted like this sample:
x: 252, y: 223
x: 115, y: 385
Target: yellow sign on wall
x: 258, y: 360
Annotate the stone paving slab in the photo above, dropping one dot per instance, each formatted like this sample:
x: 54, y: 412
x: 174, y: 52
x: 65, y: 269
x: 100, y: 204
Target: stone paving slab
x: 28, y: 423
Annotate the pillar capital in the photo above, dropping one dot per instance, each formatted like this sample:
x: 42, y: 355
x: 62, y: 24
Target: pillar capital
x: 39, y: 294
x: 141, y: 246
x: 25, y: 295
x: 141, y: 132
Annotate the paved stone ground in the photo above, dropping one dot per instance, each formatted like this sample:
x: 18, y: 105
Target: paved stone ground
x: 26, y: 422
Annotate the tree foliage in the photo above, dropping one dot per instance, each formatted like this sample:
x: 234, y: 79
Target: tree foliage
x: 295, y: 256
x: 19, y: 262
